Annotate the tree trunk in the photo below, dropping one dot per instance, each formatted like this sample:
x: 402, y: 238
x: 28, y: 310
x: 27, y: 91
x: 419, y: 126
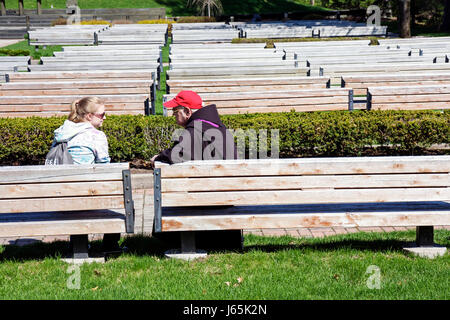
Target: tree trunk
x: 446, y: 19
x: 405, y: 18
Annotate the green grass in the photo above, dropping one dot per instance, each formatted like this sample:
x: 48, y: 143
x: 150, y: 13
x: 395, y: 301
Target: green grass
x: 178, y: 7
x: 269, y: 268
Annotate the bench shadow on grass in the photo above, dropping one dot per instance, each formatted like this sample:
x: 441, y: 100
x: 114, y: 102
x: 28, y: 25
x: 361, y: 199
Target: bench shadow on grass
x: 36, y: 250
x: 143, y: 245
x: 379, y: 246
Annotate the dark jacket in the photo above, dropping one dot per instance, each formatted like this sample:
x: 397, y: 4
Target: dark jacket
x: 205, y: 137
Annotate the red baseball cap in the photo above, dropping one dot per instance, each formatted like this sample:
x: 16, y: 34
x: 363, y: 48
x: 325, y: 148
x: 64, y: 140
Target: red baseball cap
x: 186, y: 98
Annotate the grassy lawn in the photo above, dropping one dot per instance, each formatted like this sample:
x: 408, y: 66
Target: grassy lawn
x: 337, y: 267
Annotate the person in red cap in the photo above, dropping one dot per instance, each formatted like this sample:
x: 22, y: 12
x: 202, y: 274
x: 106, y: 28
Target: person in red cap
x: 205, y: 137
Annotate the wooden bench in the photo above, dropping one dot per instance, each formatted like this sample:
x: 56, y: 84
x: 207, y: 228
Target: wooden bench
x: 38, y: 38
x: 293, y: 32
x: 409, y: 97
x: 96, y: 65
x: 247, y: 85
x: 74, y: 200
x: 59, y: 105
x: 346, y: 192
x: 276, y: 101
x: 111, y: 39
x: 83, y: 88
x: 17, y: 63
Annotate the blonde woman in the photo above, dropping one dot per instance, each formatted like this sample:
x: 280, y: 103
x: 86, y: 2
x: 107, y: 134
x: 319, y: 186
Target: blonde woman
x: 85, y: 143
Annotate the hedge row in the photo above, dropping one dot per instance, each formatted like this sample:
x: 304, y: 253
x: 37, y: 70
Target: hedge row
x: 14, y: 52
x: 133, y: 138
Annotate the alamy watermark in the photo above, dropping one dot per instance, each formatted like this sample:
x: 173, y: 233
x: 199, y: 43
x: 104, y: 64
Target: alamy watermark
x: 74, y: 18
x: 374, y: 280
x: 74, y: 280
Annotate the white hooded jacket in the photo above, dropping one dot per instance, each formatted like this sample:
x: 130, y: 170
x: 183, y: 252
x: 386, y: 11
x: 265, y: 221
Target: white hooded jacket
x: 86, y: 144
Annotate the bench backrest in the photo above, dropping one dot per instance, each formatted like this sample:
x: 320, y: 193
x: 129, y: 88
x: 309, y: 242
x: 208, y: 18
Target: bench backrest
x: 409, y: 97
x: 66, y: 188
x: 272, y: 182
x: 401, y: 79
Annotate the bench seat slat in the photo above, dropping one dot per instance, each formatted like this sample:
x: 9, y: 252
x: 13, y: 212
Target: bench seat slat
x: 65, y: 109
x: 61, y: 114
x: 264, y: 197
x: 89, y: 84
x: 399, y: 83
x: 76, y: 91
x: 437, y: 97
x: 67, y: 223
x: 61, y: 204
x: 70, y: 189
x: 256, y: 217
x: 303, y: 182
x: 308, y: 166
x: 68, y: 99
x: 264, y: 88
x: 66, y: 173
x: 247, y: 82
x: 411, y: 106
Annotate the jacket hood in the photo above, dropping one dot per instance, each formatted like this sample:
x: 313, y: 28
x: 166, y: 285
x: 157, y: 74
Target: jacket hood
x: 208, y: 113
x: 70, y: 129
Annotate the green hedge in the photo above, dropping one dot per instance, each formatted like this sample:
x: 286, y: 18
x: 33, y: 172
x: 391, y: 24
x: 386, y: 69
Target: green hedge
x: 133, y: 138
x: 14, y: 52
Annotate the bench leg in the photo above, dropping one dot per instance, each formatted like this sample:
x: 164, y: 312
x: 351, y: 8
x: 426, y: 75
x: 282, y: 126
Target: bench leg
x: 79, y: 244
x: 111, y: 242
x: 187, y: 242
x: 80, y: 247
x: 188, y: 250
x: 424, y: 245
x: 425, y: 236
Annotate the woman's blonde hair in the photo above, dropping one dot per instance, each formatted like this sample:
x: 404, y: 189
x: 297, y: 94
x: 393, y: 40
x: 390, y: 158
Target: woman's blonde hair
x: 80, y: 108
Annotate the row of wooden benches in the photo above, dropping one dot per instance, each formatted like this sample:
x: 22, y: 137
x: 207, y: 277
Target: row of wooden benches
x: 49, y: 94
x: 99, y: 35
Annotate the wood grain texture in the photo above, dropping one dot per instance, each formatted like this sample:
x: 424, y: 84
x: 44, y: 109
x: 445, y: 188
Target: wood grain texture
x: 308, y: 166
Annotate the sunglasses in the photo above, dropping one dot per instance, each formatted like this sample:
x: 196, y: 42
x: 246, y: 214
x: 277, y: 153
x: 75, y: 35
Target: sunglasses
x: 100, y: 115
